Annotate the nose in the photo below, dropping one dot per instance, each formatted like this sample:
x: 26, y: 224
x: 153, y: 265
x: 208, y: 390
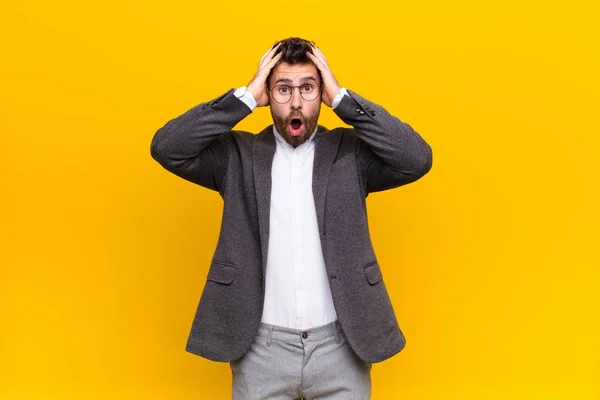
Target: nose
x: 296, y: 101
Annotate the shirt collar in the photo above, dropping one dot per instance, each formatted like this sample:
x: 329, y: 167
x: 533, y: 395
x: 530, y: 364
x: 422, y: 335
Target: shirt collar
x: 283, y: 143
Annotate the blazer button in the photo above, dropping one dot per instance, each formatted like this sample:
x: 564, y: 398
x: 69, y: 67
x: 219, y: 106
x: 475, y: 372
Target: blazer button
x: 304, y: 335
x: 362, y: 112
x: 358, y: 109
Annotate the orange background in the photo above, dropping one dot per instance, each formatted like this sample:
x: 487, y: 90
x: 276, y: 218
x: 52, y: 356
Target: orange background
x: 491, y: 259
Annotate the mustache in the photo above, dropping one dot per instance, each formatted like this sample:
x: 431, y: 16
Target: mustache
x: 295, y: 115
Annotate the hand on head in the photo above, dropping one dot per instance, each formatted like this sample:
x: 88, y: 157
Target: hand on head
x: 258, y: 85
x: 330, y: 87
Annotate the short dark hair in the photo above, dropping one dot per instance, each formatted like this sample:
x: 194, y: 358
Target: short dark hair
x: 294, y: 52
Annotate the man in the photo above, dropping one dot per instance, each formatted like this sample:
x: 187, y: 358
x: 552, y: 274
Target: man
x: 294, y: 297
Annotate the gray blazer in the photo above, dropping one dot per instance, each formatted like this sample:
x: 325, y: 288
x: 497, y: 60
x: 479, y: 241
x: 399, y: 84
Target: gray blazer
x: 380, y: 152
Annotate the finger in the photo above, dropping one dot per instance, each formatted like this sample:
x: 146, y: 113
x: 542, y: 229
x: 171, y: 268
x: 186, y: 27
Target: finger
x: 318, y: 55
x: 273, y: 61
x: 263, y: 56
x: 318, y: 52
x: 320, y: 63
x: 264, y: 70
x: 314, y: 59
x: 322, y: 57
x: 269, y: 53
x: 274, y: 48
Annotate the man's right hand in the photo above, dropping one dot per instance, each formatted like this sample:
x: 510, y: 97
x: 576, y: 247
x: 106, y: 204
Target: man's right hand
x: 258, y: 86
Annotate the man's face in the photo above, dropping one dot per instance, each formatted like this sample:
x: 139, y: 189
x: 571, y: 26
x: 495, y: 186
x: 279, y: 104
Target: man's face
x: 297, y: 119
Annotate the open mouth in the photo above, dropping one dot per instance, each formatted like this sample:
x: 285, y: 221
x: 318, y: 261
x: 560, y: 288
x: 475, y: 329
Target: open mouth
x: 296, y: 126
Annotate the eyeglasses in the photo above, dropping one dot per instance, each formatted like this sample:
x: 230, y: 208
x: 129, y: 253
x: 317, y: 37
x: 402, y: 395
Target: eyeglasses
x: 283, y: 93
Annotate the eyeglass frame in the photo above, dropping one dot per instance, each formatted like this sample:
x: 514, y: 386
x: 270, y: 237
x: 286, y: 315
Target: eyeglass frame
x: 292, y: 95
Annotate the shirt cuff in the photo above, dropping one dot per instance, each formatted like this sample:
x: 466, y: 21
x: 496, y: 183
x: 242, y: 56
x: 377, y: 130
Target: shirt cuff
x: 245, y: 96
x: 336, y: 100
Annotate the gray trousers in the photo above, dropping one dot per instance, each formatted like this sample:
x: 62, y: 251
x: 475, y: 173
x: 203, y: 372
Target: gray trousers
x: 285, y: 364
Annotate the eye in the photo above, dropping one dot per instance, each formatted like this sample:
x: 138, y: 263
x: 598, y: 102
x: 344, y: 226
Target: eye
x: 307, y: 88
x: 284, y: 89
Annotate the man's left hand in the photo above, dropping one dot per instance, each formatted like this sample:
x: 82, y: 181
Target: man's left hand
x: 330, y: 86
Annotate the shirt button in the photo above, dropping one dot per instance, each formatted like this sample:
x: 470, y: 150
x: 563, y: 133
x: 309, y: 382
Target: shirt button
x: 304, y: 335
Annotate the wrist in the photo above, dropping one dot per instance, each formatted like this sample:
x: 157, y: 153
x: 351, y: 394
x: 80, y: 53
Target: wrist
x: 256, y: 93
x: 246, y: 96
x: 338, y: 98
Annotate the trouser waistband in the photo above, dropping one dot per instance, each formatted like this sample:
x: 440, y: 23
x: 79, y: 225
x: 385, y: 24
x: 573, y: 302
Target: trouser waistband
x: 315, y: 334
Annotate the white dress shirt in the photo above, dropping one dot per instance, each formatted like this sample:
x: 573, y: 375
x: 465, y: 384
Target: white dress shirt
x: 297, y: 293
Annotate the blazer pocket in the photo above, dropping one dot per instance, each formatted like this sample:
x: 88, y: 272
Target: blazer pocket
x: 221, y: 272
x: 373, y: 272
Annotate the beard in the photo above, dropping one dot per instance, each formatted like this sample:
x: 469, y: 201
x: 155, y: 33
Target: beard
x: 282, y: 124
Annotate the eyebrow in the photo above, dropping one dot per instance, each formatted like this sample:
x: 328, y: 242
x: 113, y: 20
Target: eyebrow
x: 303, y: 79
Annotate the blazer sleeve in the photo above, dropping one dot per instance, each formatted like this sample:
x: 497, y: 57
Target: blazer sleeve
x: 196, y: 145
x: 390, y: 153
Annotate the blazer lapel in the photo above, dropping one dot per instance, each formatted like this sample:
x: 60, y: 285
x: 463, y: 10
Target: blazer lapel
x: 325, y: 151
x: 263, y: 151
